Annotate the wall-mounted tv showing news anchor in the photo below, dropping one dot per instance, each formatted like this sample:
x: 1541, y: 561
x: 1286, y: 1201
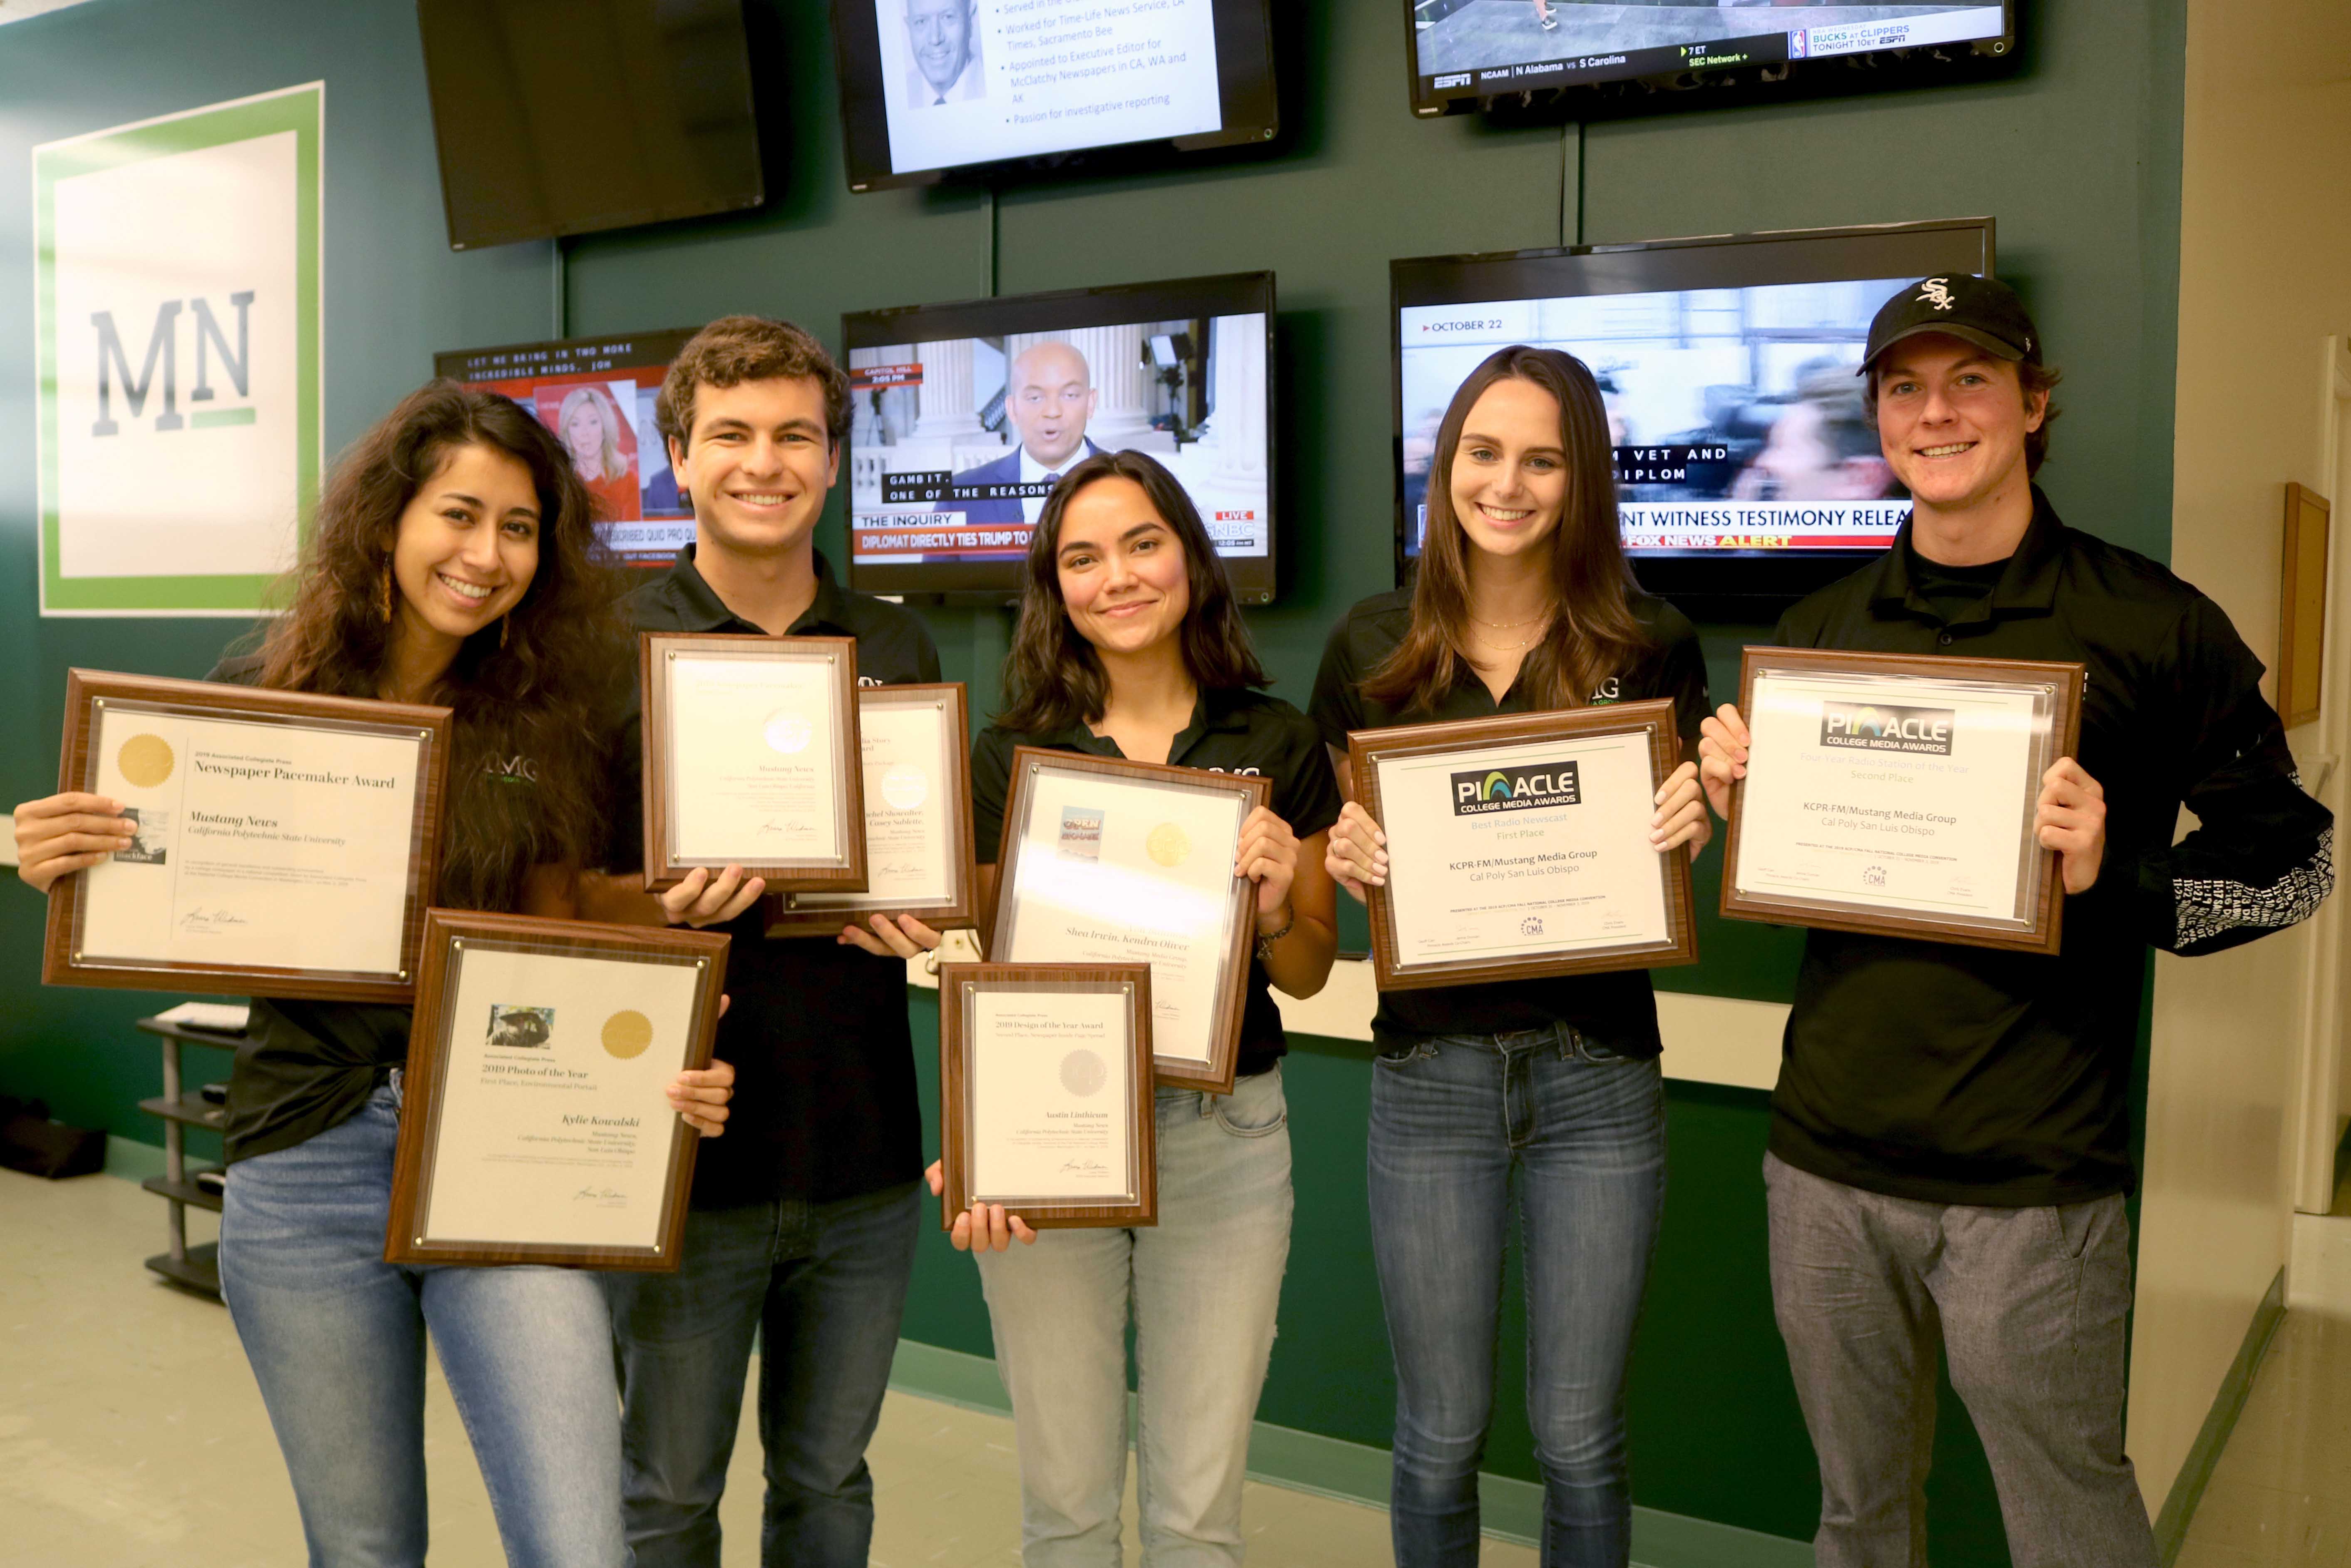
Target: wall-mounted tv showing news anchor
x: 597, y: 394
x: 1745, y: 470
x: 931, y: 86
x: 965, y: 416
x: 1582, y: 58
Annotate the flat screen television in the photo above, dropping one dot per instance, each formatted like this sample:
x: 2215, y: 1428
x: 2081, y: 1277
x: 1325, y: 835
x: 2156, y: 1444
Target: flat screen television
x: 597, y: 395
x: 565, y: 116
x: 931, y: 86
x: 965, y: 415
x: 1596, y: 57
x: 1744, y: 471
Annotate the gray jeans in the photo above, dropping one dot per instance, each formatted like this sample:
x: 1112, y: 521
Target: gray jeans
x: 2029, y: 1303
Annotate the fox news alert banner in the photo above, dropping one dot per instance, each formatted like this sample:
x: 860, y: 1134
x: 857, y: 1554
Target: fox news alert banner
x: 973, y: 81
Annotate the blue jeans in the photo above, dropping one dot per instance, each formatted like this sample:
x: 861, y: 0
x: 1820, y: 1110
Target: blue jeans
x: 1582, y: 1129
x: 824, y: 1284
x: 1203, y: 1285
x: 336, y: 1336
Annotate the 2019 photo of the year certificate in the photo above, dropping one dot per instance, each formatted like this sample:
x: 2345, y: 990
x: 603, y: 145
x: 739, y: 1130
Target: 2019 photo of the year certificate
x: 1519, y: 846
x: 1896, y: 795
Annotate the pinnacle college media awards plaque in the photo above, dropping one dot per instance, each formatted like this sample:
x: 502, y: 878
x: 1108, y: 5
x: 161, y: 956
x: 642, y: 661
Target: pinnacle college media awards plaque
x: 1519, y: 846
x: 1896, y: 795
x: 1046, y: 1101
x: 536, y: 1127
x: 1110, y: 861
x: 285, y: 842
x: 749, y: 743
x: 918, y: 838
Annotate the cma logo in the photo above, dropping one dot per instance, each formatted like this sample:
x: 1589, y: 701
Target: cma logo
x: 1867, y: 727
x: 1476, y: 794
x: 159, y: 370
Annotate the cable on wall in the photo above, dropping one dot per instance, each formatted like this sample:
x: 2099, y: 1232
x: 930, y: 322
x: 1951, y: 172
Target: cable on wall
x: 561, y: 305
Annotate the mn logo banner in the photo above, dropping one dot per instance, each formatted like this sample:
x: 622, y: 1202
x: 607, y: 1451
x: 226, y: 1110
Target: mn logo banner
x: 177, y: 334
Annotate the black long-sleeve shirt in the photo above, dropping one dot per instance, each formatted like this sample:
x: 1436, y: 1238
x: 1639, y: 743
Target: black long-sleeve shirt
x: 1958, y: 1074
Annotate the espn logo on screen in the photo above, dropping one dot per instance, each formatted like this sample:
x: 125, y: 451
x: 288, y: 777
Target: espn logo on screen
x: 1479, y: 794
x: 1871, y: 727
x: 1453, y: 79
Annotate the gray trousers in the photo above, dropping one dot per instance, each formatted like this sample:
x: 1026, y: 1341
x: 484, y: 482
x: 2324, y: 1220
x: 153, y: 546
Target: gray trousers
x: 2029, y: 1306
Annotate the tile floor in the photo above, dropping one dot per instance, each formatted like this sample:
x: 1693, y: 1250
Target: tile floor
x: 131, y: 1433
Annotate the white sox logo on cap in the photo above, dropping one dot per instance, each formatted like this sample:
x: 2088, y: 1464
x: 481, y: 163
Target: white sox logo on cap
x: 1937, y: 291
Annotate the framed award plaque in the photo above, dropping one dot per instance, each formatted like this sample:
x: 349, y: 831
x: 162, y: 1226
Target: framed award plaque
x: 1896, y: 794
x: 1519, y: 846
x: 287, y: 844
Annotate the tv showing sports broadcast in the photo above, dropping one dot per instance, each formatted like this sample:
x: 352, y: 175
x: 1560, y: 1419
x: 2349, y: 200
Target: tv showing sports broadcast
x: 966, y: 415
x: 1472, y: 49
x: 597, y: 394
x: 1728, y: 371
x: 933, y: 85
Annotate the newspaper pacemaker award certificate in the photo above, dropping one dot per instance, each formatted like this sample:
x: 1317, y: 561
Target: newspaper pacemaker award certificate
x: 1897, y: 794
x: 746, y: 740
x: 1108, y: 861
x: 1519, y: 846
x: 284, y: 843
x: 537, y: 1125
x: 1046, y: 1104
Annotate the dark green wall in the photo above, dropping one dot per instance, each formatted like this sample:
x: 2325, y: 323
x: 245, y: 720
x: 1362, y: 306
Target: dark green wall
x: 2076, y: 157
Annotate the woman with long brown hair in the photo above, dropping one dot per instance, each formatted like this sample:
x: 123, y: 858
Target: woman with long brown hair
x: 452, y: 561
x: 1523, y: 604
x: 1130, y: 643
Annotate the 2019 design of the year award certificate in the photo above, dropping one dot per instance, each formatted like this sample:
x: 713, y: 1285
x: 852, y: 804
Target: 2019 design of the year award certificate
x: 1115, y: 871
x: 258, y: 844
x: 752, y: 761
x: 1523, y: 848
x: 909, y: 848
x: 1050, y: 1110
x: 1910, y: 794
x: 555, y: 1123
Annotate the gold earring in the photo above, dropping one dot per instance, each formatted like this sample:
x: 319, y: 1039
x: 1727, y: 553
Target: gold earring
x: 506, y: 624
x: 384, y: 598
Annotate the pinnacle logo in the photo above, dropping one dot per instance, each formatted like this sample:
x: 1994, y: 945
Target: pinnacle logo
x: 1476, y: 794
x: 1864, y: 726
x: 1937, y: 291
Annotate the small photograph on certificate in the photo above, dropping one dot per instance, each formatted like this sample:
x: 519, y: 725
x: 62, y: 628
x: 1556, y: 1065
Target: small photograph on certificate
x: 1109, y: 862
x: 918, y: 840
x: 537, y: 1125
x: 746, y: 738
x: 1897, y: 795
x: 1519, y: 846
x: 282, y: 843
x: 1046, y: 1071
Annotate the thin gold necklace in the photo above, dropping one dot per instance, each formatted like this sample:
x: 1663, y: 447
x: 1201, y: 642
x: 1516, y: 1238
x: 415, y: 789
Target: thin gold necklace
x: 1491, y: 643
x: 1513, y: 625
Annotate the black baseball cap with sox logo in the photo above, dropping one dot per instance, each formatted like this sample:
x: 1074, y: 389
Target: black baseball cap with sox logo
x: 1979, y: 310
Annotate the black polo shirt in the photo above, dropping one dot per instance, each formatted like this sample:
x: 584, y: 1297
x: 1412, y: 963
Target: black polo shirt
x: 1616, y: 1010
x: 1236, y: 731
x: 1958, y: 1074
x: 825, y: 1104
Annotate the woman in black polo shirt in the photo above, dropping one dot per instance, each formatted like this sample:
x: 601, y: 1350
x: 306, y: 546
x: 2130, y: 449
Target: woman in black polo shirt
x: 450, y: 563
x: 1524, y: 604
x: 1130, y: 644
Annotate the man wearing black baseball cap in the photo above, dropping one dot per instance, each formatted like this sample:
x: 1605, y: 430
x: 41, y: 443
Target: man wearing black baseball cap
x: 1950, y: 1135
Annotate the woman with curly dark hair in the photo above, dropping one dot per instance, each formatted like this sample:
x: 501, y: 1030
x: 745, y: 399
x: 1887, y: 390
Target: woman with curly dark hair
x: 451, y: 561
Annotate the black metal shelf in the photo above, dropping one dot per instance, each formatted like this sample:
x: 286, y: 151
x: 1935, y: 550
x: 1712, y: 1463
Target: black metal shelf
x: 193, y: 1268
x: 188, y: 1110
x: 199, y: 1270
x: 186, y: 1192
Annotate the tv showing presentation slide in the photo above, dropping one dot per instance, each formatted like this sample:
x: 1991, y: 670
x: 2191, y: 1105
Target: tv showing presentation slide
x: 1729, y: 376
x: 597, y: 394
x: 933, y: 85
x: 1469, y: 49
x: 966, y: 415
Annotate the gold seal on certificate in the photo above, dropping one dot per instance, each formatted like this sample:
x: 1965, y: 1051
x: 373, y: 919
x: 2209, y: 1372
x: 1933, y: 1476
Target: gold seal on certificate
x: 285, y: 844
x: 1896, y: 795
x: 1110, y: 862
x: 747, y: 742
x: 1519, y: 846
x: 918, y: 845
x: 1045, y: 1093
x: 536, y: 1127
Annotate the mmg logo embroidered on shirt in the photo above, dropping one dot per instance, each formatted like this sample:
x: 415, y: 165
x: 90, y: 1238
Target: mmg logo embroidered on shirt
x: 1516, y: 789
x: 1868, y: 726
